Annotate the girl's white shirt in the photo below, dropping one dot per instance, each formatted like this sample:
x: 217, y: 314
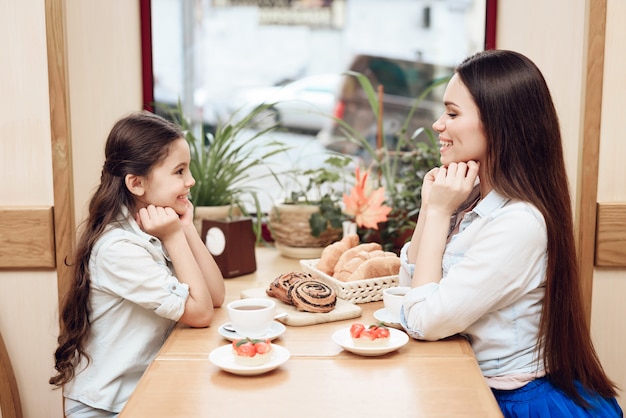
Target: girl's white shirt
x: 492, y: 287
x: 135, y: 302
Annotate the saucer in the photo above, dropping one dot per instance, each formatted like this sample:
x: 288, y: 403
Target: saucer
x: 383, y: 316
x: 223, y: 358
x: 396, y: 340
x: 276, y: 330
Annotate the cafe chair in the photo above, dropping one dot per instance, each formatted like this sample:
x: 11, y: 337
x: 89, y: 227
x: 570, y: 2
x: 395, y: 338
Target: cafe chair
x: 10, y: 406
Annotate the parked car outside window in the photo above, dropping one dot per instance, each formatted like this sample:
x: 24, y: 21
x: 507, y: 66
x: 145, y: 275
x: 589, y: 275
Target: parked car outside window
x: 403, y: 81
x: 305, y: 104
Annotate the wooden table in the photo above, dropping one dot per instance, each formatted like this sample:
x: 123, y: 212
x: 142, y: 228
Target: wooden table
x: 421, y: 379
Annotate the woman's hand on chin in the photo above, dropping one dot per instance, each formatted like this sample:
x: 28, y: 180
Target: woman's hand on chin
x: 452, y: 185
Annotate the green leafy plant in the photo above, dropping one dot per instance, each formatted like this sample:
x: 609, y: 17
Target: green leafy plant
x: 400, y: 168
x: 223, y: 163
x: 324, y: 186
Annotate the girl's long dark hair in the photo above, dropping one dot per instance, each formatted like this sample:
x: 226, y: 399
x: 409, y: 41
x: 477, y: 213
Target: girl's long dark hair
x: 525, y: 161
x: 135, y: 144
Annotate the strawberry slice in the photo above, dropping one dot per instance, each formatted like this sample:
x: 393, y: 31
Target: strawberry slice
x: 263, y: 347
x: 356, y: 330
x: 382, y: 332
x: 244, y: 348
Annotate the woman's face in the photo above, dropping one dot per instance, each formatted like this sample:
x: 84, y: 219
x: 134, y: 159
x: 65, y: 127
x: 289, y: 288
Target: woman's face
x: 461, y: 135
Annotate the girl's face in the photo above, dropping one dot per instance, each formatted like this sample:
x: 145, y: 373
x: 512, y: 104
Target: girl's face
x: 169, y: 182
x: 461, y: 135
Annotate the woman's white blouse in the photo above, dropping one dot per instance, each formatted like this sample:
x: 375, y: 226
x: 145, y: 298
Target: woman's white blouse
x: 492, y: 287
x: 135, y: 300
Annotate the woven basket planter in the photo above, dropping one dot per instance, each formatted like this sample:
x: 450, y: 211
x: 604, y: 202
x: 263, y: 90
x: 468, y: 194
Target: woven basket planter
x: 289, y: 225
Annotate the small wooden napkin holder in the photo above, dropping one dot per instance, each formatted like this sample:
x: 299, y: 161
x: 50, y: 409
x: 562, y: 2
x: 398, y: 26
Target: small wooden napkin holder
x: 231, y: 242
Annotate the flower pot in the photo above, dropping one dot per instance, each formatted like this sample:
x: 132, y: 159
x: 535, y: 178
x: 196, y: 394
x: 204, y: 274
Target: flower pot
x: 213, y: 212
x: 289, y: 224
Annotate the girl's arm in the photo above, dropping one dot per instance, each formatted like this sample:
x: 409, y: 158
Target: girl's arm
x: 164, y: 223
x: 209, y: 268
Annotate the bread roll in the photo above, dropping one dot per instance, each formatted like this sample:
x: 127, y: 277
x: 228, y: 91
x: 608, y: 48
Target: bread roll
x: 279, y: 288
x: 352, y: 252
x: 331, y: 253
x: 354, y: 263
x: 312, y: 296
x: 376, y: 267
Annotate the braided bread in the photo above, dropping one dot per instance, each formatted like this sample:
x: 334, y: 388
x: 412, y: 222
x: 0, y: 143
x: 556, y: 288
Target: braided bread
x: 312, y: 296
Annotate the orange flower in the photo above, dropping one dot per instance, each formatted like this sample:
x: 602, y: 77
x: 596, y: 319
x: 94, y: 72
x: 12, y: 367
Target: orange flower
x: 365, y: 204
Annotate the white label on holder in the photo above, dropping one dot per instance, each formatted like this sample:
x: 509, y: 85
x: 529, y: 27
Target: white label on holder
x: 215, y: 241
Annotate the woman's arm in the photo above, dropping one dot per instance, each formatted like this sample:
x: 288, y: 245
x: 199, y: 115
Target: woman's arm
x: 414, y: 244
x: 492, y: 264
x: 446, y: 189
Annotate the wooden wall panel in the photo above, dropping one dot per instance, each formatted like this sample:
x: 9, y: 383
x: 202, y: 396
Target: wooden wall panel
x: 27, y: 237
x: 611, y: 235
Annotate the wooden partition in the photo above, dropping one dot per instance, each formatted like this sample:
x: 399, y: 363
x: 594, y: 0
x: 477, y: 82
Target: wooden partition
x: 611, y: 235
x: 27, y: 237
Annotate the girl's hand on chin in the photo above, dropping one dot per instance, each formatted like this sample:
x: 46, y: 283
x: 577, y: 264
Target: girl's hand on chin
x: 187, y: 217
x: 158, y: 221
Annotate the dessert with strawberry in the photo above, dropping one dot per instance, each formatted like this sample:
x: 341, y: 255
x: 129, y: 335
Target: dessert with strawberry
x: 372, y: 336
x: 252, y: 352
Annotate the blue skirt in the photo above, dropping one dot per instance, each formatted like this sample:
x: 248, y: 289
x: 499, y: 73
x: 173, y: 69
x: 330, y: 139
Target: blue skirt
x: 540, y: 398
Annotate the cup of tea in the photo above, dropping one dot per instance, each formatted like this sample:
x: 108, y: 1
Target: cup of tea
x: 251, y: 317
x: 392, y: 299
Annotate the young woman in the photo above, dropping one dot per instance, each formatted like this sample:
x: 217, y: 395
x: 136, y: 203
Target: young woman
x: 492, y: 256
x: 139, y: 267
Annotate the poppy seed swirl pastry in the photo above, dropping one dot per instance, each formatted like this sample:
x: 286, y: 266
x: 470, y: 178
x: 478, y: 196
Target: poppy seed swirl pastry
x: 279, y: 288
x: 312, y: 296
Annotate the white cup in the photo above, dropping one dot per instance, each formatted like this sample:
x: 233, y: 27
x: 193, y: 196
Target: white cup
x: 251, y: 317
x: 392, y: 299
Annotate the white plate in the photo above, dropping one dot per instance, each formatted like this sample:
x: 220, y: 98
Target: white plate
x: 276, y: 330
x: 396, y: 340
x: 383, y: 316
x: 223, y: 358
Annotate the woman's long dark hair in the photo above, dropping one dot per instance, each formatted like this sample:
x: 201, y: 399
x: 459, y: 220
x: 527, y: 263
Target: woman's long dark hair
x: 525, y: 161
x: 135, y: 144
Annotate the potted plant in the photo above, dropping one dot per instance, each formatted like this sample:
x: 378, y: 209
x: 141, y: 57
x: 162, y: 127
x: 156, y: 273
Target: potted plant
x: 224, y: 162
x: 311, y: 215
x: 398, y: 164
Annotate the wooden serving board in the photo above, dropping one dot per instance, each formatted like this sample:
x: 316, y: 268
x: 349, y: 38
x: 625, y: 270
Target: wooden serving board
x: 343, y: 310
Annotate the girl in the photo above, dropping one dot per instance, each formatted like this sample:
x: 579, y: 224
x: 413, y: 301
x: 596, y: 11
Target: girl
x: 494, y: 245
x: 139, y: 267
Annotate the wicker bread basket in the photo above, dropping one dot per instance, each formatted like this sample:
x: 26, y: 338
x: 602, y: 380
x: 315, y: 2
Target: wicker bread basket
x: 359, y: 291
